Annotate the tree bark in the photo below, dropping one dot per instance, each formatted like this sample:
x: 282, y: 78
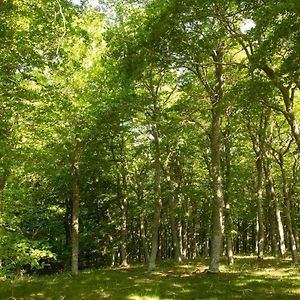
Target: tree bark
x: 218, y: 204
x: 140, y: 197
x: 143, y: 237
x: 275, y: 207
x: 287, y: 210
x: 227, y: 183
x: 215, y: 93
x: 174, y: 229
x: 258, y: 144
x: 260, y: 212
x: 157, y: 190
x: 215, y: 142
x: 75, y: 206
x: 184, y: 235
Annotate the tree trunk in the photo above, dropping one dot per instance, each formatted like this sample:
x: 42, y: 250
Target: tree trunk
x: 174, y: 229
x: 260, y: 212
x: 194, y: 230
x: 227, y: 182
x: 184, y: 233
x: 275, y: 207
x: 75, y: 206
x: 143, y: 237
x: 215, y: 92
x: 140, y: 197
x: 229, y: 246
x: 123, y: 206
x: 272, y: 231
x: 287, y: 211
x: 215, y: 143
x: 217, y: 216
x: 258, y: 144
x: 157, y: 192
x: 124, y: 230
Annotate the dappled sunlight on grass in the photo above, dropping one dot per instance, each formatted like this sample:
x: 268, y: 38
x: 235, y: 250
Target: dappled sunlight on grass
x: 247, y: 279
x: 133, y: 297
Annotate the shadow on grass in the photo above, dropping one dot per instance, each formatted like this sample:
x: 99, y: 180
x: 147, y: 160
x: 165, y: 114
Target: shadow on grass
x: 246, y: 280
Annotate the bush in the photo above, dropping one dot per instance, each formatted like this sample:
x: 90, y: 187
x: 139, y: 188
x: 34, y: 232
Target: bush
x: 20, y: 255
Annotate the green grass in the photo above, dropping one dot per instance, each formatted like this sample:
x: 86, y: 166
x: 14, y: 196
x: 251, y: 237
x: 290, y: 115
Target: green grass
x: 247, y: 279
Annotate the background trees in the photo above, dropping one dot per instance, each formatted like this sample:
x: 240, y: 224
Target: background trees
x: 148, y: 131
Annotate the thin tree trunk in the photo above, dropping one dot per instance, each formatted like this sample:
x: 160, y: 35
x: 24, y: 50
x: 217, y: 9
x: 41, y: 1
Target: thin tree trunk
x: 140, y: 197
x: 184, y: 234
x: 172, y: 215
x: 193, y: 242
x: 287, y: 210
x: 157, y: 192
x: 273, y: 234
x: 124, y: 231
x: 258, y: 144
x: 174, y: 229
x: 123, y: 207
x: 75, y: 207
x: 143, y: 237
x: 180, y: 238
x: 229, y: 246
x: 275, y: 207
x: 227, y: 182
x: 260, y: 212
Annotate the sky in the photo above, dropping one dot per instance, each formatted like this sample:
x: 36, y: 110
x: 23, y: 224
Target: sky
x: 92, y: 3
x: 247, y: 25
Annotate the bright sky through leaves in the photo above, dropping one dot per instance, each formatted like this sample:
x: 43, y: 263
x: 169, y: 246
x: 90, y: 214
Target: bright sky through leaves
x: 92, y: 3
x: 247, y: 25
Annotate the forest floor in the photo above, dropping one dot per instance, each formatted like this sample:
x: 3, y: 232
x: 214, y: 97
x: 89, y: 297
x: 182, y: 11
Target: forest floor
x: 247, y: 279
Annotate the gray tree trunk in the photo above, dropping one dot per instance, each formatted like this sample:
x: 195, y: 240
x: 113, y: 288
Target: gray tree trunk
x: 215, y: 143
x: 287, y: 211
x: 143, y: 237
x: 157, y: 191
x: 260, y: 212
x: 258, y: 144
x: 276, y: 209
x: 218, y: 204
x: 227, y: 183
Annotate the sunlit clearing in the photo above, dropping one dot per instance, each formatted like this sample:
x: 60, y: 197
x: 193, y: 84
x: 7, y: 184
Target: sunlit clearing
x: 247, y: 25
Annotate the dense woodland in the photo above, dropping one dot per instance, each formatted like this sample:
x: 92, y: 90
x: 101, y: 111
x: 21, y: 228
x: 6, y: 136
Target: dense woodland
x: 142, y: 131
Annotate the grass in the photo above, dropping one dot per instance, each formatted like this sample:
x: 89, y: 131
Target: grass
x: 247, y: 279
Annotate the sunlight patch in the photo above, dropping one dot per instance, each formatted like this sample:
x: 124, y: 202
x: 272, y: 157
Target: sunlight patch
x: 36, y: 295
